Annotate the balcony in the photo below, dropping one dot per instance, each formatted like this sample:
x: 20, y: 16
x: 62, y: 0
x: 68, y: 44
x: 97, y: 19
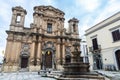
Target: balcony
x: 95, y: 49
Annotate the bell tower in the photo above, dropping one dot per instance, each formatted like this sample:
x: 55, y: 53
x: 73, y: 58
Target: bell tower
x: 73, y: 27
x: 18, y: 18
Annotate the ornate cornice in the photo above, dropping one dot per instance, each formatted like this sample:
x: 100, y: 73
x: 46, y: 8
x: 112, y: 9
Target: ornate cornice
x: 73, y: 20
x: 15, y: 32
x: 43, y: 8
x: 19, y: 8
x: 44, y: 36
x: 56, y: 37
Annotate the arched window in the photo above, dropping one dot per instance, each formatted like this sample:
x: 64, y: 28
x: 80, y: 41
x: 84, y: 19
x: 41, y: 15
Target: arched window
x: 74, y: 28
x: 18, y: 19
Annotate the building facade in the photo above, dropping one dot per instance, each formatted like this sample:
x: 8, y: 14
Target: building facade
x: 45, y: 45
x: 103, y: 41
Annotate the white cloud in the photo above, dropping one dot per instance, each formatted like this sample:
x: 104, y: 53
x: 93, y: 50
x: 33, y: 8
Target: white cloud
x: 29, y: 8
x: 89, y: 5
x: 18, y: 2
x: 50, y: 1
x: 99, y: 15
x: 111, y: 8
x: 4, y: 14
x: 42, y: 2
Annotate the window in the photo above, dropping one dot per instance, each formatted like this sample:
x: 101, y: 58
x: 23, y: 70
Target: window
x: 116, y: 35
x: 49, y: 28
x: 74, y: 29
x: 95, y: 44
x: 18, y: 19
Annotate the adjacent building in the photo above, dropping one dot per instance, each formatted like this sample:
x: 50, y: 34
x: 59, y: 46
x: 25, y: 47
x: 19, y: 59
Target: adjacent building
x: 46, y: 44
x: 103, y: 41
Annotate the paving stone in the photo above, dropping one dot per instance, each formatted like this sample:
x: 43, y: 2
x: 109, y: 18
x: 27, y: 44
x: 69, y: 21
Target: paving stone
x: 114, y: 75
x: 23, y: 76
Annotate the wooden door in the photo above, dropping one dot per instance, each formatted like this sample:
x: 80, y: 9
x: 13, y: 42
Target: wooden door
x: 24, y: 62
x: 48, y: 59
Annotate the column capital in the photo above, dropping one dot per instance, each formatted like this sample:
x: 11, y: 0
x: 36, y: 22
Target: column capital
x: 63, y: 41
x: 40, y: 39
x: 34, y: 38
x: 58, y: 40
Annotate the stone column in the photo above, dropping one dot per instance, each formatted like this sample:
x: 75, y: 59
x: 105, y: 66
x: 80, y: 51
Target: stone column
x: 32, y: 50
x: 12, y: 56
x: 8, y: 50
x: 13, y: 22
x: 35, y: 18
x: 22, y: 20
x: 18, y: 46
x: 38, y: 66
x: 13, y: 19
x: 58, y: 54
x: 63, y: 50
x: 39, y: 50
x: 31, y: 66
x: 14, y: 51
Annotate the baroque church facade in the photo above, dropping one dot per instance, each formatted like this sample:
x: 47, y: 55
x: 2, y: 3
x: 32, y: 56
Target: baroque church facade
x: 45, y: 45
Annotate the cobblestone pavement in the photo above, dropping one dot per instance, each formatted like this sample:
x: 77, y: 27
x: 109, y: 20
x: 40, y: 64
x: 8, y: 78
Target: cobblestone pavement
x: 23, y: 76
x: 34, y: 76
x: 112, y: 75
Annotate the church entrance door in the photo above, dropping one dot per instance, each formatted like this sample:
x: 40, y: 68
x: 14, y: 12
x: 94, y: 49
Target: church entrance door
x: 24, y: 62
x: 48, y: 59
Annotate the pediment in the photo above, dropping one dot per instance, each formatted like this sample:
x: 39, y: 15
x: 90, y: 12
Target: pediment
x: 48, y: 10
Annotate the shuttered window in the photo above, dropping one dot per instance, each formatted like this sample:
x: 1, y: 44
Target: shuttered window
x: 95, y: 44
x: 116, y: 35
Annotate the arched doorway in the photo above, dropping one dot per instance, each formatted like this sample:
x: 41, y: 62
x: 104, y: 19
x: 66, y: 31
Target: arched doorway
x: 24, y: 62
x: 48, y: 59
x: 24, y: 56
x: 117, y: 53
x: 48, y: 56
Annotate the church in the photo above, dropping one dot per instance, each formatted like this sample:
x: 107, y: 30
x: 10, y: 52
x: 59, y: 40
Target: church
x: 46, y: 44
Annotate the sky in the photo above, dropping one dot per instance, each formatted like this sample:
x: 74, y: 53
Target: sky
x: 88, y: 12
